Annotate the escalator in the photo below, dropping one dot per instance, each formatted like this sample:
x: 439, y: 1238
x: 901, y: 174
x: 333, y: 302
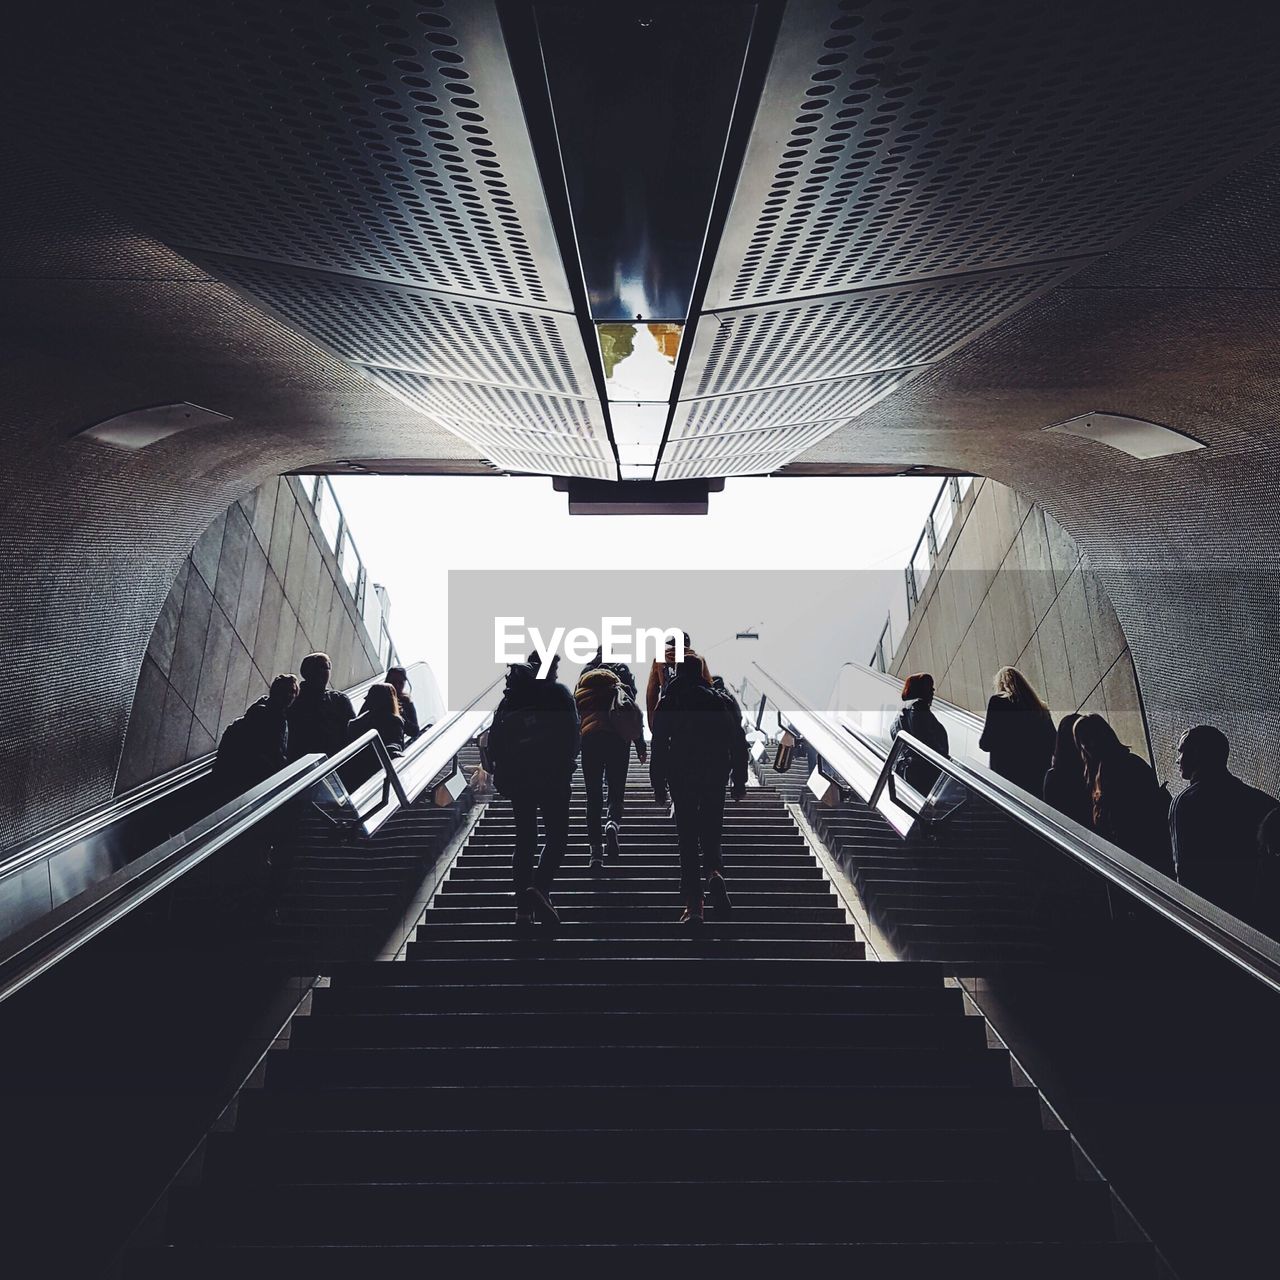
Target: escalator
x: 1148, y: 1015
x: 133, y: 1012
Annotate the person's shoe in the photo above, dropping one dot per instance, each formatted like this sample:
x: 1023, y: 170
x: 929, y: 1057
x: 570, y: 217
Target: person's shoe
x: 596, y: 865
x: 719, y: 894
x: 540, y: 906
x: 611, y: 839
x: 693, y: 913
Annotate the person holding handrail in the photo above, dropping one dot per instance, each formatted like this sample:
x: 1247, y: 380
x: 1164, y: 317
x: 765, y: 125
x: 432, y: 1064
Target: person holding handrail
x: 918, y: 720
x: 1018, y: 732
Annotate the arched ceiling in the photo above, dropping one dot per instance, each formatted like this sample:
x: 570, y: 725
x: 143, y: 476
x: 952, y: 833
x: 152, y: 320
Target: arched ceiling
x: 822, y: 200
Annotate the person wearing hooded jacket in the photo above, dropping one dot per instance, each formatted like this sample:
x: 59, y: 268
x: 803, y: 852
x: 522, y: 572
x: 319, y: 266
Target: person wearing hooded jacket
x: 533, y: 747
x: 606, y: 753
x: 698, y: 747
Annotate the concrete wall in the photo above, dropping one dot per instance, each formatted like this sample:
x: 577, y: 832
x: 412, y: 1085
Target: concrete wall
x: 1010, y: 587
x: 259, y: 591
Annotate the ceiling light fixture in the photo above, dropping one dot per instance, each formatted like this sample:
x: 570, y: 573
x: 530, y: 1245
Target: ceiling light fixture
x: 1134, y: 436
x: 141, y: 427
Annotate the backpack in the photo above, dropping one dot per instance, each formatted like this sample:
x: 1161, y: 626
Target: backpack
x: 229, y: 763
x: 624, y: 715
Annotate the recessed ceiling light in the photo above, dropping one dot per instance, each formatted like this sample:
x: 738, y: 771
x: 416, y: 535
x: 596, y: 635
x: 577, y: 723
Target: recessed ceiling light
x: 1134, y: 436
x: 141, y: 427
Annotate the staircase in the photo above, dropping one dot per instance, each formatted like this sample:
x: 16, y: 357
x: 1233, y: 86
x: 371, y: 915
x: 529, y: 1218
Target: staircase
x: 626, y: 1096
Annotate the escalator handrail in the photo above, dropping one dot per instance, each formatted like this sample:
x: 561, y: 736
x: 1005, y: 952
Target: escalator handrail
x: 94, y: 821
x: 35, y: 949
x: 1242, y: 944
x: 434, y: 748
x: 894, y: 685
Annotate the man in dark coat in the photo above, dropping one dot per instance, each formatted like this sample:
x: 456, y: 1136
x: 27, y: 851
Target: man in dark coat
x: 1214, y: 823
x: 533, y: 747
x: 698, y: 746
x: 319, y: 717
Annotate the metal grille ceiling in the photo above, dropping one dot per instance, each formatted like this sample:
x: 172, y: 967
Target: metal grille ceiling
x: 853, y: 333
x: 816, y: 402
x: 462, y: 402
x: 912, y: 140
x: 363, y: 171
x: 471, y: 339
x: 918, y: 172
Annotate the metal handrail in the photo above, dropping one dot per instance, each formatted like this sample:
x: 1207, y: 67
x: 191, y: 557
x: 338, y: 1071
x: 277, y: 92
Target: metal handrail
x: 94, y: 821
x: 1238, y: 942
x: 36, y: 948
x: 428, y: 754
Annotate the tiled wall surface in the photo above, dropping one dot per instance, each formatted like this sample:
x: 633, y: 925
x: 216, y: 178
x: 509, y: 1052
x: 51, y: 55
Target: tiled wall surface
x: 1011, y: 588
x: 259, y: 591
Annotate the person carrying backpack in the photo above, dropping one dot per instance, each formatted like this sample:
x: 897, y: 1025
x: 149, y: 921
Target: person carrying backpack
x: 257, y: 745
x: 699, y: 747
x: 533, y: 748
x: 663, y: 672
x: 611, y: 722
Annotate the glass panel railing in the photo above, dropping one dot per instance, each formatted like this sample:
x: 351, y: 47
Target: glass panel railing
x: 329, y: 513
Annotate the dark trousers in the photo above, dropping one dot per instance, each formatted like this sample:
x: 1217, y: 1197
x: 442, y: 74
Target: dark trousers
x: 699, y: 825
x: 605, y: 757
x: 552, y: 800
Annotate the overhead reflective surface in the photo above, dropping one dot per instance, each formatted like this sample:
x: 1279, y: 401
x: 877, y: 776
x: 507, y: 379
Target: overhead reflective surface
x: 642, y: 97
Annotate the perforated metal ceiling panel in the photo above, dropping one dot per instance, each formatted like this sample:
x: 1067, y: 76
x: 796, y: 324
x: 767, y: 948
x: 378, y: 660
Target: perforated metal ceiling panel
x: 362, y: 172
x: 899, y: 140
x: 756, y: 410
x: 378, y: 140
x: 853, y: 333
x: 461, y: 402
x: 404, y: 328
x: 738, y: 443
x: 918, y: 172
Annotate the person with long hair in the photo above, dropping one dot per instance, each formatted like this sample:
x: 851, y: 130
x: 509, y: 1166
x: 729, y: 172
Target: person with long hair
x: 1019, y: 732
x: 398, y: 679
x: 381, y: 711
x: 918, y: 720
x: 1064, y: 784
x: 1127, y: 803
